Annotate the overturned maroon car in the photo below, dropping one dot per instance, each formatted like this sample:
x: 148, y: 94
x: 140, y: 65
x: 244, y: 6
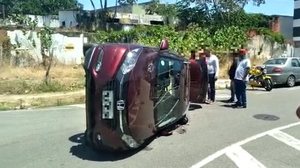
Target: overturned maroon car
x: 133, y: 92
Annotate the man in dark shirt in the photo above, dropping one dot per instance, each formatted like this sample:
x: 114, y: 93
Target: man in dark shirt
x: 204, y: 76
x: 231, y: 74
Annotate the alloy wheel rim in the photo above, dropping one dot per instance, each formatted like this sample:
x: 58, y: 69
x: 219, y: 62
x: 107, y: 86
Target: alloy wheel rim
x: 291, y: 81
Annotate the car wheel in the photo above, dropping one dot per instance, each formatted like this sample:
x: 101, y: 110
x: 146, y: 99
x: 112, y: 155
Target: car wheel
x: 291, y: 81
x: 298, y: 112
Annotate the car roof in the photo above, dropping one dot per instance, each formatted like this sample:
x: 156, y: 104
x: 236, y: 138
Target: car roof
x: 124, y: 45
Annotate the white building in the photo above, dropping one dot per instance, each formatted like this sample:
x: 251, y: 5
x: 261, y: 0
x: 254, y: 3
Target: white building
x: 68, y: 19
x: 67, y: 50
x: 50, y: 20
x: 296, y: 28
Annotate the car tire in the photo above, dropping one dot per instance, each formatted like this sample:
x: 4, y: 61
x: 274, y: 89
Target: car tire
x: 268, y: 85
x: 291, y: 81
x: 298, y: 112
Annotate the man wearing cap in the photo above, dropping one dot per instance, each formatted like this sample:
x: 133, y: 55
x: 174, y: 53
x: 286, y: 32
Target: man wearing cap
x: 240, y: 79
x: 213, y: 72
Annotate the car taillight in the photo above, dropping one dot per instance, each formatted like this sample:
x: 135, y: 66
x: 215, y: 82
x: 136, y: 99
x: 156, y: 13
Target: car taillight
x: 277, y: 70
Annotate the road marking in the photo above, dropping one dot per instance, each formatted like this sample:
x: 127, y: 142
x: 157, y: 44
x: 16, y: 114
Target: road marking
x: 209, y: 159
x: 242, y: 158
x: 286, y: 138
x: 240, y: 143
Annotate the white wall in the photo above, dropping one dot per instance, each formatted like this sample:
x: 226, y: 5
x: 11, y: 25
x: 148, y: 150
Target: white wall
x: 69, y: 17
x: 262, y: 48
x: 67, y: 50
x: 50, y: 20
x: 297, y: 52
x: 17, y: 37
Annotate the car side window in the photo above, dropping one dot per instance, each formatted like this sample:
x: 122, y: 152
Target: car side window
x: 295, y: 63
x: 167, y: 72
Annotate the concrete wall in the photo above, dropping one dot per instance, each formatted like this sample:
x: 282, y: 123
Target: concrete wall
x: 26, y: 42
x: 297, y: 52
x: 67, y: 50
x: 50, y: 20
x: 68, y: 19
x: 261, y: 48
x: 127, y: 18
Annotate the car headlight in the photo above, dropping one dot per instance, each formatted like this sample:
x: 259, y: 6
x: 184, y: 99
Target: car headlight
x: 130, y: 60
x: 99, y: 61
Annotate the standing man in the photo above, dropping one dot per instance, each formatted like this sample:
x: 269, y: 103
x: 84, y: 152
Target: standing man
x: 231, y: 74
x: 240, y: 79
x: 213, y: 72
x: 204, y: 76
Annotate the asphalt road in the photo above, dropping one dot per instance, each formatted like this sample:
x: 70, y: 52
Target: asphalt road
x: 216, y: 137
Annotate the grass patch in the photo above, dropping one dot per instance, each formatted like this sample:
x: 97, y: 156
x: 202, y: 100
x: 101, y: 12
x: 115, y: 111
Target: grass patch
x: 30, y: 80
x: 6, y: 106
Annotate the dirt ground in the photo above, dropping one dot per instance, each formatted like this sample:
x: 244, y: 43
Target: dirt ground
x: 30, y: 80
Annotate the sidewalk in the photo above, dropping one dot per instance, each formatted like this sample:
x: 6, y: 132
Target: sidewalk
x: 9, y: 102
x: 223, y: 83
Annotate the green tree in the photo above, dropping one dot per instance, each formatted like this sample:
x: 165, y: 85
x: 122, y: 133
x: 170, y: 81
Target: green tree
x: 38, y: 7
x: 45, y: 35
x: 212, y: 13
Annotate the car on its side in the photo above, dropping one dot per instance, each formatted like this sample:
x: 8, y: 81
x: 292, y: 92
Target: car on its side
x: 132, y: 93
x: 284, y: 70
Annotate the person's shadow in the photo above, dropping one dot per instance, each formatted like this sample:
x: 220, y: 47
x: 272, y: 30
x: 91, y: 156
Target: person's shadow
x: 195, y: 106
x: 85, y: 152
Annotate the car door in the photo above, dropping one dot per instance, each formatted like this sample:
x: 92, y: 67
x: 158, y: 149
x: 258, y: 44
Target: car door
x: 295, y: 64
x: 166, y: 90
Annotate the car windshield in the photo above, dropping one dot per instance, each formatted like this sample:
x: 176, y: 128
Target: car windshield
x: 279, y: 61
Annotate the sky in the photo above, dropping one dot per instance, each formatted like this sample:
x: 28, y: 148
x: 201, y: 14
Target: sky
x: 271, y: 7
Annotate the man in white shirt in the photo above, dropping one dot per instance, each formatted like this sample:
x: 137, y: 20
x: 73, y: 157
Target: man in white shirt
x: 213, y: 72
x: 241, y: 78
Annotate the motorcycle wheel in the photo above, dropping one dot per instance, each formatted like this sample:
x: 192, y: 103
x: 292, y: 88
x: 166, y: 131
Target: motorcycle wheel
x: 268, y: 85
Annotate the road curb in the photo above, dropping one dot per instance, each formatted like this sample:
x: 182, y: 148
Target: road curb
x: 14, y: 102
x: 223, y: 84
